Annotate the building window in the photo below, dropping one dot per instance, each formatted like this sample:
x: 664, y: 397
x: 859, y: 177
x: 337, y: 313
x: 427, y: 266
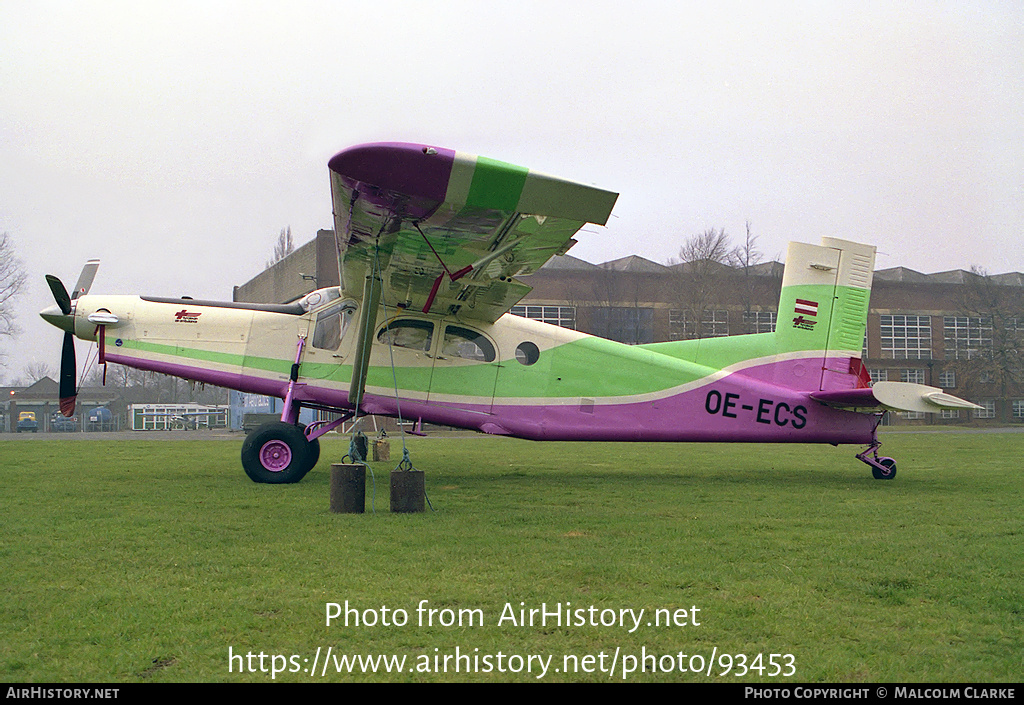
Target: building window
x: 906, y: 337
x: 1018, y: 408
x: 625, y: 324
x: 947, y: 379
x: 714, y: 325
x: 912, y: 415
x: 966, y: 336
x: 913, y: 376
x: 879, y: 375
x: 676, y: 324
x: 759, y: 321
x: 562, y: 316
x: 950, y: 413
x: 988, y: 410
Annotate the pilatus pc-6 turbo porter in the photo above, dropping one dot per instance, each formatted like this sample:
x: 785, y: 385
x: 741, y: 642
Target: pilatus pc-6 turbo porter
x: 429, y: 244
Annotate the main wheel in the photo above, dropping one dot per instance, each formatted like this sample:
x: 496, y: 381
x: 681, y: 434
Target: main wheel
x: 887, y: 471
x: 276, y: 453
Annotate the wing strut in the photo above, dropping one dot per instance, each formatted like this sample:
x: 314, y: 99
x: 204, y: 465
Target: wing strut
x: 444, y: 270
x: 367, y: 324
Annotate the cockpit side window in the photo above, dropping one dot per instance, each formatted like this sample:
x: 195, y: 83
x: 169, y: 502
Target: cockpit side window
x: 332, y: 324
x: 408, y: 333
x: 467, y: 344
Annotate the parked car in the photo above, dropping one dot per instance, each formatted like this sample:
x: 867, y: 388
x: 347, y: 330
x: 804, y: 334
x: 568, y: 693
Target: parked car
x: 62, y: 424
x: 27, y: 422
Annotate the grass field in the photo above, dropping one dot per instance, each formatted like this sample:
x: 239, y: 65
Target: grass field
x: 132, y: 561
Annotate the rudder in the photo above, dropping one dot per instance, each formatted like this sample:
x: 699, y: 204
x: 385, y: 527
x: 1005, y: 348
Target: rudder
x: 823, y: 308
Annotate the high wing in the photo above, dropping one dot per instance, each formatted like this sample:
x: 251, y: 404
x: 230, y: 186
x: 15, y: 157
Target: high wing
x: 448, y: 231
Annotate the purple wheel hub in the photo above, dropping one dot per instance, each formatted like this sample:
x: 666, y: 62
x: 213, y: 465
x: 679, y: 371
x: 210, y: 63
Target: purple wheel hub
x: 275, y: 455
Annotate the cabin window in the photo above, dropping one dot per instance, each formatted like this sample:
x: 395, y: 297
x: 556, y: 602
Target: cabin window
x: 414, y: 335
x: 331, y: 326
x: 527, y: 353
x: 467, y: 344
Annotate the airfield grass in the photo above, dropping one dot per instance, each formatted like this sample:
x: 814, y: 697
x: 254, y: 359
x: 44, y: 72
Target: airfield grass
x: 135, y: 561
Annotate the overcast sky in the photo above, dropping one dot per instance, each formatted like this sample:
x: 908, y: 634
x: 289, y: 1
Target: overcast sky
x: 175, y: 140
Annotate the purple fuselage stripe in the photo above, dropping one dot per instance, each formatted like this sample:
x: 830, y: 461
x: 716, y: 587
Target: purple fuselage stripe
x: 740, y: 407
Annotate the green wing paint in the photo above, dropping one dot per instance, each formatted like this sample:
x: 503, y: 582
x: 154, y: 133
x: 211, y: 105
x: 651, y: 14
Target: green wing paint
x: 496, y: 185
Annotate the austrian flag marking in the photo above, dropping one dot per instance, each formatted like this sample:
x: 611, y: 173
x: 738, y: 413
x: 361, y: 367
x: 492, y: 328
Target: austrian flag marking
x: 186, y: 316
x: 806, y: 308
x: 803, y: 310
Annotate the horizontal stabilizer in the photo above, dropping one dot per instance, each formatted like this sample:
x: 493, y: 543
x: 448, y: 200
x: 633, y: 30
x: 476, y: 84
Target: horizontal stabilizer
x: 895, y: 396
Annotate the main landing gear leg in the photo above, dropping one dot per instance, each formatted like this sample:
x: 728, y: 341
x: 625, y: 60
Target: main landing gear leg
x: 882, y: 468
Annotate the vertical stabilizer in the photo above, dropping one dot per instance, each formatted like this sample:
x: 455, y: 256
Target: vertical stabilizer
x: 823, y: 309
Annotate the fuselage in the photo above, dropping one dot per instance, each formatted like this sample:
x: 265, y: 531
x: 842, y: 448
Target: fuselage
x: 513, y: 377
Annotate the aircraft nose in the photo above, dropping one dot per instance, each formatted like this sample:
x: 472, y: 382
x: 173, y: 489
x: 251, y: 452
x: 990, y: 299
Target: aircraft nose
x: 55, y: 317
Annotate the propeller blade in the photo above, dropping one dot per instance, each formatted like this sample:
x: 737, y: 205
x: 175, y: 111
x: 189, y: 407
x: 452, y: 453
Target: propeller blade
x: 67, y: 387
x: 60, y: 294
x: 85, y: 278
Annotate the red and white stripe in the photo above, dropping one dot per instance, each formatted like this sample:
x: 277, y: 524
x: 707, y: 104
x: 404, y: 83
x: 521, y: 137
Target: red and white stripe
x: 807, y: 308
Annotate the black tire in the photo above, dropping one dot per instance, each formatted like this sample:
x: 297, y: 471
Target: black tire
x: 314, y: 453
x: 313, y: 449
x: 887, y: 472
x: 276, y: 453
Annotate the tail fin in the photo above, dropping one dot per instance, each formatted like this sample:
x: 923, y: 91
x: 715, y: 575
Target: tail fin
x: 824, y: 307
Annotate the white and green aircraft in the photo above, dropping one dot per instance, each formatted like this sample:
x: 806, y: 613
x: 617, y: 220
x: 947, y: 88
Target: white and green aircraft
x: 429, y: 244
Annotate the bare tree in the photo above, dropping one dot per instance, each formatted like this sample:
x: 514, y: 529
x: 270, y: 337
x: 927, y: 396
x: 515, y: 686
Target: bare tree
x: 35, y: 371
x: 988, y: 345
x: 747, y: 253
x: 95, y: 378
x: 711, y: 249
x: 12, y: 281
x: 703, y: 260
x: 283, y: 248
x: 622, y: 315
x: 754, y: 286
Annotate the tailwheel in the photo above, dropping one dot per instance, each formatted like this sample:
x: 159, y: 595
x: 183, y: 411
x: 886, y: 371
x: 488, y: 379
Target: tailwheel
x: 885, y: 469
x: 277, y: 453
x: 882, y: 468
